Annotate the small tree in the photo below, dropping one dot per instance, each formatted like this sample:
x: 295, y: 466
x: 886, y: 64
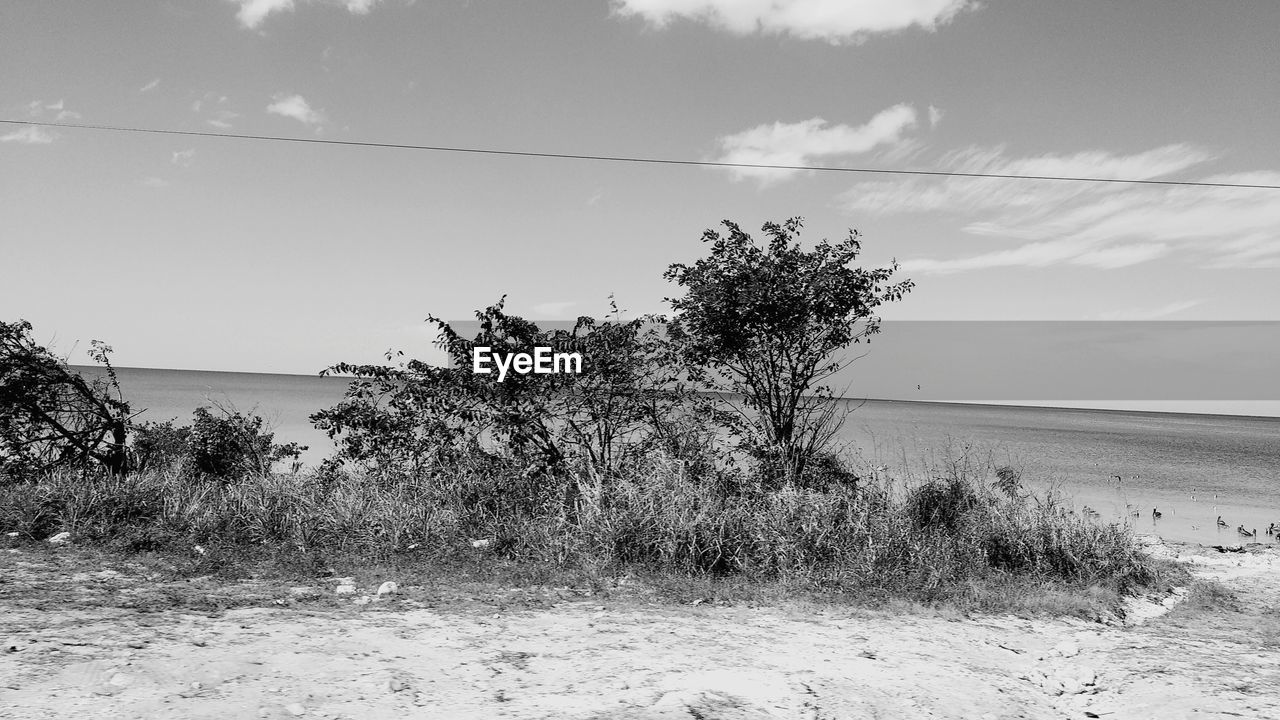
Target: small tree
x: 767, y: 323
x: 230, y: 445
x: 159, y: 445
x: 51, y: 416
x: 625, y: 401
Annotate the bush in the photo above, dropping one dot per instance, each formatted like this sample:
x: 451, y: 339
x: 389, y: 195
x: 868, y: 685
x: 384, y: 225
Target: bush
x: 51, y: 417
x: 659, y: 513
x: 940, y: 504
x: 160, y: 445
x: 230, y: 445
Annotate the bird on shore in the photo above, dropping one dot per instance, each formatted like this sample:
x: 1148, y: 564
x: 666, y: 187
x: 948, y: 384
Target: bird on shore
x: 1271, y: 529
x: 1221, y: 522
x: 1246, y: 533
x: 1156, y: 514
x: 1090, y: 512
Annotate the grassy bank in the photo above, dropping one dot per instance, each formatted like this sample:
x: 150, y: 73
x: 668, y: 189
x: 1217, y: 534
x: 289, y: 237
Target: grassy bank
x: 968, y: 533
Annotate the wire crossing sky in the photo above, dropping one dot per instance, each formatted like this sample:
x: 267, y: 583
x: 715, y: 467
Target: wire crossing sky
x: 281, y: 185
x: 617, y: 158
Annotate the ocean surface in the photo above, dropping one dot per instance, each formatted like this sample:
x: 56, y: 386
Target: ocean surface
x: 1192, y: 468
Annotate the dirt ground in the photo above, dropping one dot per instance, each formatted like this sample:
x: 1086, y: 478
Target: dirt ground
x: 82, y: 639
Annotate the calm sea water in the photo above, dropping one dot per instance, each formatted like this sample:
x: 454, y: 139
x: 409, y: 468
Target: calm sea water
x: 285, y: 402
x: 1193, y: 468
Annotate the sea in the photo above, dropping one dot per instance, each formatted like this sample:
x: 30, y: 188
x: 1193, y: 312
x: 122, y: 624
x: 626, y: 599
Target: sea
x: 1125, y: 465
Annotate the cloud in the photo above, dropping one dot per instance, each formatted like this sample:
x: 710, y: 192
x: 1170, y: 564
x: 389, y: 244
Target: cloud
x: 215, y: 104
x: 29, y: 135
x: 296, y: 107
x: 808, y: 141
x: 210, y: 98
x: 1172, y: 308
x: 182, y: 158
x: 222, y: 119
x: 935, y: 116
x: 835, y: 21
x: 253, y: 12
x: 150, y: 86
x: 39, y: 108
x: 1100, y: 225
x: 152, y: 181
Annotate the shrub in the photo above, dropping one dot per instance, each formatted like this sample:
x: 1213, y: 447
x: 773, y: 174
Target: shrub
x: 51, y: 417
x: 940, y: 504
x: 160, y: 445
x: 230, y: 445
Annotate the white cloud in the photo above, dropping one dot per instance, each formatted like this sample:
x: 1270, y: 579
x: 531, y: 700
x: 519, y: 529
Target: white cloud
x: 1103, y: 225
x: 29, y: 135
x: 150, y: 86
x: 835, y: 21
x: 253, y: 12
x: 805, y: 142
x: 1172, y: 308
x: 296, y: 107
x: 182, y: 158
x: 38, y: 108
x: 1121, y: 256
x: 222, y: 119
x: 935, y: 116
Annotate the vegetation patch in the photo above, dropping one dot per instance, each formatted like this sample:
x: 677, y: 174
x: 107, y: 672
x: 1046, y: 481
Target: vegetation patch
x: 696, y: 447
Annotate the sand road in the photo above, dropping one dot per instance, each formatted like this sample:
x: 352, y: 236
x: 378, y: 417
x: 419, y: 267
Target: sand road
x: 74, y: 648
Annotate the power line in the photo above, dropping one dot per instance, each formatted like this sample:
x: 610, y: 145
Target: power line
x: 627, y: 159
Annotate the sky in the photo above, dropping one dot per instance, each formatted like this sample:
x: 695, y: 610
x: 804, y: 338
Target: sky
x: 226, y: 254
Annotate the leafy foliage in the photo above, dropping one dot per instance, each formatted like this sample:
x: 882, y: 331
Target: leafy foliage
x: 51, y: 416
x: 766, y: 322
x: 221, y: 443
x: 232, y: 445
x: 159, y: 445
x: 413, y: 418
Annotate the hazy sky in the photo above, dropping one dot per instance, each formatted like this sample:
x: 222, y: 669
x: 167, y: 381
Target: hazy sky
x: 221, y: 254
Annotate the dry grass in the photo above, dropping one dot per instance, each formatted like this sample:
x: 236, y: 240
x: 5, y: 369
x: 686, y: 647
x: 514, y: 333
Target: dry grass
x: 966, y: 535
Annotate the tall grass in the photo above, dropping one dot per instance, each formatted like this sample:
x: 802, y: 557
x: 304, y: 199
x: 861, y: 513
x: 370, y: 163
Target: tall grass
x: 924, y: 537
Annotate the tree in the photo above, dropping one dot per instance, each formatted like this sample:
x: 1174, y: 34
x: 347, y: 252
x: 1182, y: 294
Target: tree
x: 622, y: 404
x: 768, y: 323
x: 51, y: 416
x: 231, y: 445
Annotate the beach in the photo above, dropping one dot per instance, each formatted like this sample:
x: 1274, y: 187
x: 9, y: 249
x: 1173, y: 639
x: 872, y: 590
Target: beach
x: 88, y: 637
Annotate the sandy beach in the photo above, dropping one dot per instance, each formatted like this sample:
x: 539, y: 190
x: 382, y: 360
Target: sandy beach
x: 83, y: 639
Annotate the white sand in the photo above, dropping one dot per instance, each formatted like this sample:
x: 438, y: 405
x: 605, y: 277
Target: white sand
x: 633, y: 660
